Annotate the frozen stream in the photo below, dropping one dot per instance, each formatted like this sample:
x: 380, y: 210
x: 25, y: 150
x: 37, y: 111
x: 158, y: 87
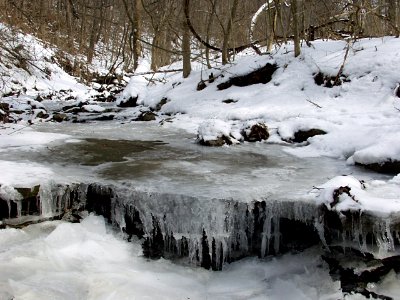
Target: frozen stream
x: 151, y: 157
x: 89, y: 260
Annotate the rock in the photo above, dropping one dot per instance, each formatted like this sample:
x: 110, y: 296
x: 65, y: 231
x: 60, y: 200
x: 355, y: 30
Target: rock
x: 355, y: 278
x: 146, y: 116
x: 256, y: 133
x: 303, y: 135
x: 262, y: 75
x: 76, y: 107
x: 218, y: 142
x: 397, y: 91
x: 388, y: 167
x: 130, y: 102
x: 329, y: 81
x: 4, y: 106
x: 60, y: 117
x: 160, y: 104
x: 108, y: 117
x: 42, y: 114
x: 201, y: 85
x: 228, y: 101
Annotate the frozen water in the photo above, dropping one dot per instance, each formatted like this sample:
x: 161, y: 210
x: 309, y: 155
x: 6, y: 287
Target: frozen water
x: 56, y: 260
x: 187, y: 189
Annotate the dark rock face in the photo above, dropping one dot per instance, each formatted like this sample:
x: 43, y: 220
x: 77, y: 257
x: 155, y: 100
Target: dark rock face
x: 133, y: 223
x: 387, y: 167
x: 257, y: 133
x: 262, y: 75
x: 153, y: 246
x: 99, y: 199
x: 303, y: 135
x: 130, y: 102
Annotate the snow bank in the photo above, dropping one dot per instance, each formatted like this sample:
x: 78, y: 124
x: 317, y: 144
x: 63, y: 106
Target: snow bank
x: 344, y: 193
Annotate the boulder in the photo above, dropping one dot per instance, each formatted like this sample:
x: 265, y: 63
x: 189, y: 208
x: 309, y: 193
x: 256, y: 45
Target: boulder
x: 217, y: 142
x: 146, y: 116
x: 255, y: 133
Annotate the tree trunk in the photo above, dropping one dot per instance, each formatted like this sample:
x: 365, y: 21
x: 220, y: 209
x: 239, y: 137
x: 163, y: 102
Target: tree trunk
x: 393, y: 15
x: 93, y: 35
x: 136, y: 46
x: 187, y: 68
x: 227, y: 33
x: 296, y: 39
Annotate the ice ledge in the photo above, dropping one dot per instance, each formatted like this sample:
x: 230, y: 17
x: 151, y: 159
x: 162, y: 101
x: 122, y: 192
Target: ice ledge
x: 209, y: 232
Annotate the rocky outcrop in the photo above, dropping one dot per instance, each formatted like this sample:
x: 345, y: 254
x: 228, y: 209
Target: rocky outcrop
x: 261, y: 75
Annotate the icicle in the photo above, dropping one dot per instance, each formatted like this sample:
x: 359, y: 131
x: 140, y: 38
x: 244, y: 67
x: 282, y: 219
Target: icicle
x: 19, y: 208
x: 384, y: 238
x: 9, y: 207
x: 46, y: 201
x: 319, y: 226
x: 266, y: 235
x: 277, y: 234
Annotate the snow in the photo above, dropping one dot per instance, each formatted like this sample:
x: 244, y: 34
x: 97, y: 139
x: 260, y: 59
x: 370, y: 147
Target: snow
x: 376, y: 197
x: 39, y: 56
x: 136, y: 87
x: 24, y: 174
x: 213, y: 129
x: 38, y: 262
x: 25, y: 138
x: 93, y: 108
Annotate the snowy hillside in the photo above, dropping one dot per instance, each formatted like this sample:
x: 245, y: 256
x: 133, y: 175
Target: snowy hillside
x: 360, y: 115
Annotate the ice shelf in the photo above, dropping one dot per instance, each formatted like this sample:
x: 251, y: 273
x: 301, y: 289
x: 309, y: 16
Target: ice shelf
x: 204, y: 206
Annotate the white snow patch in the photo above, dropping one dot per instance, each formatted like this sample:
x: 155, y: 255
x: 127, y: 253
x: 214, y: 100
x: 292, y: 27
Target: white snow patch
x: 23, y: 174
x: 374, y: 197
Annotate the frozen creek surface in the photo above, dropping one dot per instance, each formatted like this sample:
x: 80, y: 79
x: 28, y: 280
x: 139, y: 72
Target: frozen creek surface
x: 178, y: 188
